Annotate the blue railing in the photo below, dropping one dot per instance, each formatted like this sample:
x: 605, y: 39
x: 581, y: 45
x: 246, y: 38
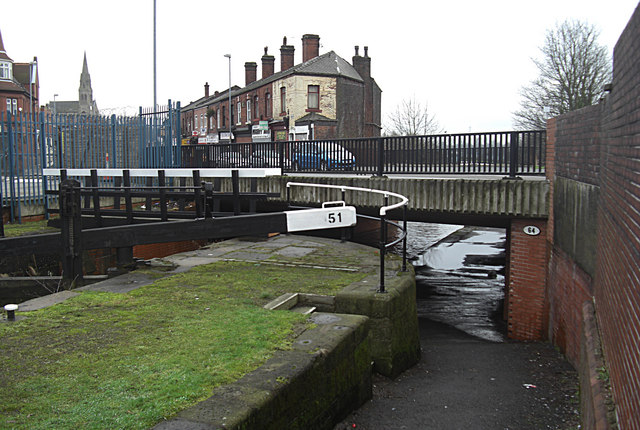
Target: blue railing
x: 508, y: 154
x: 35, y: 141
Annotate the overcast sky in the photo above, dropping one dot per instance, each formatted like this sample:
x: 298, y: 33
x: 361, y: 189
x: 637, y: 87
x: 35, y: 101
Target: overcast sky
x: 467, y: 59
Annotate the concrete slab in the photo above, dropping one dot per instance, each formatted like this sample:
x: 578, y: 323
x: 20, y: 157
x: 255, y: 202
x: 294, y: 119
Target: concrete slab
x: 46, y: 301
x: 295, y: 251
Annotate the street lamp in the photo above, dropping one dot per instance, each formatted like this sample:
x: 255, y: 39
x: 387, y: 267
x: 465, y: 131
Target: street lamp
x: 230, y: 113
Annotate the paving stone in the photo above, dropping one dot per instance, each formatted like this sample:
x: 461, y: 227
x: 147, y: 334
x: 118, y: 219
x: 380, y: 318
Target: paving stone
x: 295, y: 251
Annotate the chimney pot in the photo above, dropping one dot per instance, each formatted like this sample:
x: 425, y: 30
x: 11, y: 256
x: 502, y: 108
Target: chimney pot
x: 366, y: 51
x: 206, y: 89
x: 357, y: 49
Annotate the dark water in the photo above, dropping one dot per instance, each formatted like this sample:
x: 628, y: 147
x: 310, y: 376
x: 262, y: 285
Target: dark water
x: 460, y: 278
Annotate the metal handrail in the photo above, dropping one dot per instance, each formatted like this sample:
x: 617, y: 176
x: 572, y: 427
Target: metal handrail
x: 383, y: 221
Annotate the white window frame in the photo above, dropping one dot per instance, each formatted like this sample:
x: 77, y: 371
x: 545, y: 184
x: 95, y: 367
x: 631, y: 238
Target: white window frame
x: 248, y: 109
x: 239, y: 110
x: 218, y: 118
x: 5, y: 70
x: 15, y: 106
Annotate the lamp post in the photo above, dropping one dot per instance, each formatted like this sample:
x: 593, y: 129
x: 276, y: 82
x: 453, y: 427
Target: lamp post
x: 230, y: 113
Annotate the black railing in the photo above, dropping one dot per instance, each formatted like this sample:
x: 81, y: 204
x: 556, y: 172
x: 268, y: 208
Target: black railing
x: 384, y: 210
x: 509, y: 154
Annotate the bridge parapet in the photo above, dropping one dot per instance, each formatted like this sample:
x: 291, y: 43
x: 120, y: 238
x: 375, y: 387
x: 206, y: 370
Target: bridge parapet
x: 480, y: 197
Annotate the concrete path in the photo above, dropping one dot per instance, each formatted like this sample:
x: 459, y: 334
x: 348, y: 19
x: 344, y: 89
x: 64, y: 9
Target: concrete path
x: 463, y: 382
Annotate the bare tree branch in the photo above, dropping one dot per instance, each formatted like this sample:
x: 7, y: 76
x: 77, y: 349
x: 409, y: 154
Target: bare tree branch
x: 573, y: 72
x: 411, y: 118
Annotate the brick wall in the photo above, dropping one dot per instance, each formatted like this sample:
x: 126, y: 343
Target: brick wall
x: 159, y: 250
x: 526, y: 281
x: 568, y: 288
x: 599, y: 147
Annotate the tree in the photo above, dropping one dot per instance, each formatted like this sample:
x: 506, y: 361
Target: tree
x: 411, y: 118
x: 573, y: 72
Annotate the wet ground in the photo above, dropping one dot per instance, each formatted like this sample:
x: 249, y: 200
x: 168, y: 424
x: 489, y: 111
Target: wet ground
x: 470, y: 375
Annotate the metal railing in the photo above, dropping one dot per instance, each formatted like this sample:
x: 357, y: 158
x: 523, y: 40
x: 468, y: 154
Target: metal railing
x: 31, y: 142
x: 509, y: 154
x: 384, y: 222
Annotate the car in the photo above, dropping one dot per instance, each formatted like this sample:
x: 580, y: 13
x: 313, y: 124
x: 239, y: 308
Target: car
x: 322, y: 156
x: 267, y: 158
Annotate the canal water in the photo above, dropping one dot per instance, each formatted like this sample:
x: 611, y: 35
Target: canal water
x: 460, y: 276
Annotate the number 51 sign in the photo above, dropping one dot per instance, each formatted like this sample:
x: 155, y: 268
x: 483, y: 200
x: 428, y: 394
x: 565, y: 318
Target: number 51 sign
x: 316, y: 219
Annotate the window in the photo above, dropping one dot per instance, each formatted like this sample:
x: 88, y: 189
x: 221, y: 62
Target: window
x: 218, y: 119
x: 283, y: 100
x: 248, y: 109
x: 313, y: 97
x: 267, y: 106
x: 5, y: 70
x: 8, y: 105
x: 239, y: 113
x: 255, y: 106
x: 224, y: 116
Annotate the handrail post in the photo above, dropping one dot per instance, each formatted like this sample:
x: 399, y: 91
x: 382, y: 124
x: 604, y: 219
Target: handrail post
x: 383, y: 248
x: 513, y: 155
x: 380, y: 156
x: 235, y: 183
x: 404, y: 241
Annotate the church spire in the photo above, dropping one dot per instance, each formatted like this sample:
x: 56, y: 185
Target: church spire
x: 85, y: 92
x: 3, y: 53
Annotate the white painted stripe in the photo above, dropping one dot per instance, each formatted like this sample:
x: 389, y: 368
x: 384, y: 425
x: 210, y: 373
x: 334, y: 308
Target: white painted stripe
x: 316, y: 219
x: 171, y: 173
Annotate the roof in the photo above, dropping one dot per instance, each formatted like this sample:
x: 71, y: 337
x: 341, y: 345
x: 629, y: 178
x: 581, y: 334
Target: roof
x: 329, y: 64
x: 3, y: 53
x: 11, y: 86
x: 314, y: 117
x: 66, y: 106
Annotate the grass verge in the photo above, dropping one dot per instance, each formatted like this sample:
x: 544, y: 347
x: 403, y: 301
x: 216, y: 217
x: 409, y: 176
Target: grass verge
x: 32, y: 227
x: 107, y: 360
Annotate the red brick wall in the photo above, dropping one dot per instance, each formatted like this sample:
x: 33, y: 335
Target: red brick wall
x: 568, y: 288
x: 526, y: 283
x: 600, y: 146
x: 159, y: 250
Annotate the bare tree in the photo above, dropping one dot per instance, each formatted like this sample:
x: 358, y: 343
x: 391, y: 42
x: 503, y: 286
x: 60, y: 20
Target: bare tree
x: 573, y: 72
x: 412, y: 118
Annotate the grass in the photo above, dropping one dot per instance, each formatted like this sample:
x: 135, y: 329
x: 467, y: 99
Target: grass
x: 107, y: 360
x: 26, y: 228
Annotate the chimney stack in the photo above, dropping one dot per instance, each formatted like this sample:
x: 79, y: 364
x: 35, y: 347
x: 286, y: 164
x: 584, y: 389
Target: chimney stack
x: 267, y: 64
x: 206, y: 89
x: 310, y: 46
x: 250, y: 72
x: 286, y: 55
x: 362, y: 64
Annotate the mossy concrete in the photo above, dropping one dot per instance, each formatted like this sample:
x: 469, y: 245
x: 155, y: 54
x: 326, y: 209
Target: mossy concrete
x: 395, y: 337
x: 325, y: 375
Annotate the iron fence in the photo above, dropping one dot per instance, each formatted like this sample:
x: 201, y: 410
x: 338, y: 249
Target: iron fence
x: 510, y: 153
x: 32, y: 142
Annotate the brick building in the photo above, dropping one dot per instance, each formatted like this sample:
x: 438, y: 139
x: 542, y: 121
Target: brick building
x: 19, y: 85
x: 323, y: 97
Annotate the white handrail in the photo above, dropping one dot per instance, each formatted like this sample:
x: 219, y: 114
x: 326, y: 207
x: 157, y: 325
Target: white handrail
x: 383, y: 209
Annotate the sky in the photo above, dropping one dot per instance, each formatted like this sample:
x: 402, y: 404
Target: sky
x: 466, y: 60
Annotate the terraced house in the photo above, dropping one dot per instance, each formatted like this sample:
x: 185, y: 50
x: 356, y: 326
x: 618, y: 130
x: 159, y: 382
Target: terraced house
x: 19, y: 85
x: 324, y: 97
